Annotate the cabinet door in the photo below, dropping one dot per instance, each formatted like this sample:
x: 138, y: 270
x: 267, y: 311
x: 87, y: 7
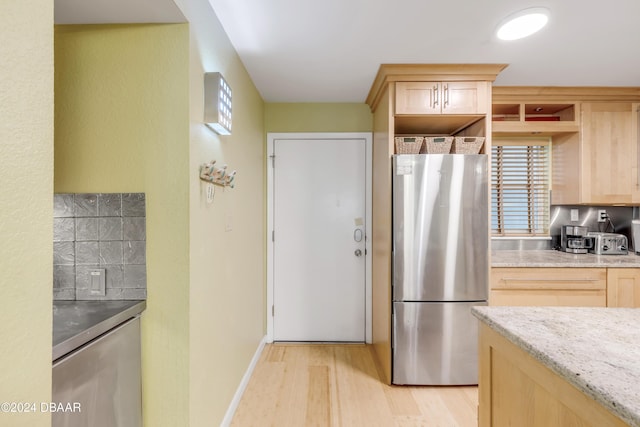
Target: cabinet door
x: 442, y: 97
x: 464, y: 97
x: 623, y: 287
x: 578, y: 287
x: 609, y: 168
x: 418, y: 97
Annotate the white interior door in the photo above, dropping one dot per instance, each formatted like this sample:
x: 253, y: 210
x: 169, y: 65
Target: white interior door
x: 319, y: 226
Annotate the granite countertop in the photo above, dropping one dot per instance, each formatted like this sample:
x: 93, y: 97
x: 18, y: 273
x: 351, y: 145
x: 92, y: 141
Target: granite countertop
x: 553, y: 258
x: 595, y: 349
x: 75, y: 323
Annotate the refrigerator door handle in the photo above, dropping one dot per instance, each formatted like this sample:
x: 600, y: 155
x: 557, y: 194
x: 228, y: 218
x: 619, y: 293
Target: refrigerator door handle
x: 393, y: 328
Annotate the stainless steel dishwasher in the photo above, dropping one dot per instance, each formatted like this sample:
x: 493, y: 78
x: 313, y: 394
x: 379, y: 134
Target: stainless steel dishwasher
x: 103, y: 377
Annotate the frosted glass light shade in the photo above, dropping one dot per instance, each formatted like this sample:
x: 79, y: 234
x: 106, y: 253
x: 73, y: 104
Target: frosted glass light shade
x: 217, y: 103
x: 523, y: 23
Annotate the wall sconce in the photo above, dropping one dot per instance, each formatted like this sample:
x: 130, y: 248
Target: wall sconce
x: 217, y: 103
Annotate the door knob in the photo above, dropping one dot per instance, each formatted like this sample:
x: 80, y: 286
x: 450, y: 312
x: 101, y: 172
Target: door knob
x: 358, y: 252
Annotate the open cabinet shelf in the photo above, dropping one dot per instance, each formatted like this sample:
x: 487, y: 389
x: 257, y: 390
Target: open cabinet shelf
x: 434, y: 125
x: 535, y: 118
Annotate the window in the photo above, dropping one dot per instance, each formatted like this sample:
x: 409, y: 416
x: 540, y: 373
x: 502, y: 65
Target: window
x: 520, y: 187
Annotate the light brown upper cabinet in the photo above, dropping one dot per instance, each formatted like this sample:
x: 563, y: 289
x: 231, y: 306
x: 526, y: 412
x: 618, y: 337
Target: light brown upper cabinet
x: 594, y: 138
x: 600, y: 165
x: 442, y: 97
x: 534, y: 118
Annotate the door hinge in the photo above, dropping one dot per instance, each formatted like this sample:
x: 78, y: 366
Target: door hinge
x: 272, y: 311
x: 273, y: 235
x: 273, y: 160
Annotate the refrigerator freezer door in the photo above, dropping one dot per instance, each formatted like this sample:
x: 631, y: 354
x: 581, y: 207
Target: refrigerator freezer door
x: 440, y: 227
x: 435, y: 343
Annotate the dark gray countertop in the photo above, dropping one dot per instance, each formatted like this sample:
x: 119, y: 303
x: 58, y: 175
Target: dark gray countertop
x: 553, y: 258
x: 595, y: 349
x: 77, y: 322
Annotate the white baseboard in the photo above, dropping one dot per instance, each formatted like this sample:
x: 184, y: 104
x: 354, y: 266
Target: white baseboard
x: 231, y: 410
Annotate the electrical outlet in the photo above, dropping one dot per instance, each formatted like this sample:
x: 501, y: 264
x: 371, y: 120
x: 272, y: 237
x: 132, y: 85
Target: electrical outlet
x: 574, y: 215
x: 97, y: 282
x: 602, y: 215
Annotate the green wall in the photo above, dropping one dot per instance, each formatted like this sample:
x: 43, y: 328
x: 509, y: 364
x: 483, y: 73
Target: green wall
x: 318, y: 117
x: 129, y: 119
x: 26, y: 207
x: 227, y: 238
x: 122, y: 125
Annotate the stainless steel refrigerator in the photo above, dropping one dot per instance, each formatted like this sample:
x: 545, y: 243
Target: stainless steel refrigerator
x: 440, y: 266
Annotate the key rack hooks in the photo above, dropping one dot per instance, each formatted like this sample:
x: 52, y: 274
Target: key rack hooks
x: 215, y: 175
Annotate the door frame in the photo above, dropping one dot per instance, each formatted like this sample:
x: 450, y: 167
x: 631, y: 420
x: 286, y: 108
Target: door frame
x: 367, y: 137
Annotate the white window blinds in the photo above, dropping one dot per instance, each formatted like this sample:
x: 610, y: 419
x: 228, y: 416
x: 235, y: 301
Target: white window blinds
x: 520, y: 188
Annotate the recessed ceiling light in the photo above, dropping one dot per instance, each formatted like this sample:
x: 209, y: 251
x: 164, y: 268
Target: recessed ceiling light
x: 523, y: 23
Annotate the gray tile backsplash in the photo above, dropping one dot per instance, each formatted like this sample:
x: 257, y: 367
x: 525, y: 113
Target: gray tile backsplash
x: 64, y: 229
x: 87, y: 253
x: 86, y: 229
x: 110, y: 204
x: 63, y: 206
x: 133, y: 204
x: 110, y: 228
x: 86, y: 205
x: 99, y: 231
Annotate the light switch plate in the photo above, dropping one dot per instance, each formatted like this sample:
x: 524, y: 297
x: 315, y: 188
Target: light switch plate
x: 97, y: 282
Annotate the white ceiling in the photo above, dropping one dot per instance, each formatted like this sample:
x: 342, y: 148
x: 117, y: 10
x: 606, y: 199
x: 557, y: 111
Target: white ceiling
x: 116, y: 11
x: 330, y: 50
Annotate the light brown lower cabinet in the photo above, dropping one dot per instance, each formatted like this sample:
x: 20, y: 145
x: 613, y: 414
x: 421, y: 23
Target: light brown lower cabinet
x: 569, y: 287
x: 623, y: 287
x: 517, y: 390
x: 573, y: 287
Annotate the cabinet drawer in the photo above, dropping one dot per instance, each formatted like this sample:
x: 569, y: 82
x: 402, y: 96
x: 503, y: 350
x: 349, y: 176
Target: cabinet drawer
x: 549, y: 278
x: 549, y: 297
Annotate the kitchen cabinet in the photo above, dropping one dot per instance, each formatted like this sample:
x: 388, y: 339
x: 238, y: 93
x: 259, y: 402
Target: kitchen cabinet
x: 603, y: 161
x: 623, y: 287
x: 594, y: 132
x: 521, y: 385
x: 442, y: 97
x: 412, y: 119
x: 534, y: 117
x: 577, y: 287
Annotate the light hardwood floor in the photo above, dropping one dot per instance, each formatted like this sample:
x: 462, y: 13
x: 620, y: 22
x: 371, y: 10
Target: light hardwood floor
x: 338, y: 385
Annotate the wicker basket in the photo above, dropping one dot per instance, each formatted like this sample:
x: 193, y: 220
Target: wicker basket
x: 408, y: 144
x: 467, y: 144
x: 437, y: 144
